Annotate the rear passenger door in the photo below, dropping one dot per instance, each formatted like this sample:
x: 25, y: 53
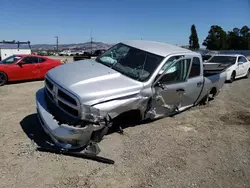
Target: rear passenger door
x: 194, y: 82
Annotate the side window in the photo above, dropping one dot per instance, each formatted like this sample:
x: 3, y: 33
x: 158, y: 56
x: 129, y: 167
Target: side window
x: 242, y: 59
x: 30, y: 60
x: 195, y: 68
x: 177, y: 72
x: 170, y: 60
x: 41, y: 60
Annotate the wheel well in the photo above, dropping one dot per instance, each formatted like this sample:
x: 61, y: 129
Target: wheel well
x: 5, y: 74
x: 128, y: 117
x: 234, y: 72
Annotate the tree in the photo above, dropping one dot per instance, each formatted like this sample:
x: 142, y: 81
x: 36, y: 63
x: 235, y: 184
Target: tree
x: 216, y: 39
x: 234, y: 39
x: 193, y: 39
x: 238, y: 39
x: 245, y: 34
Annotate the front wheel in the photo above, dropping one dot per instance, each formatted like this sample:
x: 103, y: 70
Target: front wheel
x: 3, y: 78
x: 248, y: 73
x: 232, y: 78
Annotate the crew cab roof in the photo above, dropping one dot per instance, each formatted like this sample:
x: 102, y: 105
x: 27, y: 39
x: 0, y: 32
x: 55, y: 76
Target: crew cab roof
x: 158, y: 48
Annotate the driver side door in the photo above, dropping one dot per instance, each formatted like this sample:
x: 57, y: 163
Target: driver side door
x: 170, y: 86
x: 241, y: 66
x: 29, y: 68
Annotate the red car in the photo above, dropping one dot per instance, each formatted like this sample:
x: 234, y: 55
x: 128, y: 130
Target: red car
x: 25, y: 67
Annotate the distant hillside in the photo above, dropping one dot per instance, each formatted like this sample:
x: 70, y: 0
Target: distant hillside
x: 81, y: 46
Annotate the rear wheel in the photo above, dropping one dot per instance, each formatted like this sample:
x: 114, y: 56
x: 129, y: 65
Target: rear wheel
x: 3, y: 78
x: 232, y: 78
x: 207, y: 97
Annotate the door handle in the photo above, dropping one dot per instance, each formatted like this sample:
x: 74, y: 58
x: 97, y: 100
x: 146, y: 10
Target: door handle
x: 180, y: 90
x: 199, y: 84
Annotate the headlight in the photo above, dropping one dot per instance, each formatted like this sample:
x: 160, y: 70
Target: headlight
x: 228, y: 70
x: 92, y: 114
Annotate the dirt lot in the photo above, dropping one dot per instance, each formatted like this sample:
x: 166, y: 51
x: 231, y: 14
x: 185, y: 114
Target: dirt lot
x: 203, y: 147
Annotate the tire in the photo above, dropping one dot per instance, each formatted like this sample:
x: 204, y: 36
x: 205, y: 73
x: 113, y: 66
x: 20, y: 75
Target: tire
x: 3, y: 78
x: 206, y: 98
x: 248, y: 74
x: 232, y: 78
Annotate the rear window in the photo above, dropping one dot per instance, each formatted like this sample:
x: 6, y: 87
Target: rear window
x: 223, y: 59
x: 195, y: 68
x: 41, y: 60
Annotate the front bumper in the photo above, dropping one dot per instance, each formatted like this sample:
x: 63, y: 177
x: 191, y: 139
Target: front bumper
x: 63, y: 135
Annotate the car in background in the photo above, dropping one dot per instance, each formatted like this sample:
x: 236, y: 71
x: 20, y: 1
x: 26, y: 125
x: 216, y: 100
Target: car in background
x: 206, y: 57
x: 240, y: 65
x: 25, y: 67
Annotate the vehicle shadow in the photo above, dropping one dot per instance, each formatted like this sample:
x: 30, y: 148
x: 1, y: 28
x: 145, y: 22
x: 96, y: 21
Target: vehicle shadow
x: 23, y: 81
x: 236, y: 80
x: 33, y: 129
x: 124, y: 122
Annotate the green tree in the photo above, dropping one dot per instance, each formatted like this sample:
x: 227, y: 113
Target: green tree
x: 245, y: 37
x: 234, y: 39
x: 216, y: 39
x: 238, y: 39
x: 193, y: 39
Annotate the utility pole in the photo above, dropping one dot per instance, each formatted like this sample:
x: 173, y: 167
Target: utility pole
x: 91, y: 41
x: 56, y: 44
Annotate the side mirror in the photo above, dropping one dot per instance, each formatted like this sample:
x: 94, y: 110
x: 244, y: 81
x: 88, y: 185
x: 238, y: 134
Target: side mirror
x: 21, y: 62
x: 239, y: 63
x: 205, y: 61
x: 160, y: 85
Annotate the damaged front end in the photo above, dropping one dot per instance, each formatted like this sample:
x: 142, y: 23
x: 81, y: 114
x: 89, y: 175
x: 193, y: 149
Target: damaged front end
x: 66, y: 131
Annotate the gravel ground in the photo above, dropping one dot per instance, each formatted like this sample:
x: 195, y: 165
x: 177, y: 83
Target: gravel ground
x: 206, y: 146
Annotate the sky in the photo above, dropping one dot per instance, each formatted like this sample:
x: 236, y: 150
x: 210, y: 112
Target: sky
x: 111, y: 21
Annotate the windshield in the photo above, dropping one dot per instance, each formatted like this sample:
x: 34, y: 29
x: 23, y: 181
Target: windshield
x: 223, y: 59
x: 132, y: 62
x: 10, y: 60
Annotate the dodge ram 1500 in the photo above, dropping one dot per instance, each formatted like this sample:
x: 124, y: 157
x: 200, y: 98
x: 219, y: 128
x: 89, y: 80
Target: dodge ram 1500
x: 81, y: 100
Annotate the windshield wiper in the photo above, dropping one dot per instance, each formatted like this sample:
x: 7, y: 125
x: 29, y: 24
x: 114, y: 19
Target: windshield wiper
x: 106, y: 64
x: 127, y: 73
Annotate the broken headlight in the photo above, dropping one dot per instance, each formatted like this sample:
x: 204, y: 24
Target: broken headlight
x: 91, y: 114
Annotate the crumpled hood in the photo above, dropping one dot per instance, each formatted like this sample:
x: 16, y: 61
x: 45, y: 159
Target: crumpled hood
x: 93, y: 82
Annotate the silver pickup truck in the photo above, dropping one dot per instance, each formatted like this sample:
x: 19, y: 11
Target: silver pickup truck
x: 81, y: 100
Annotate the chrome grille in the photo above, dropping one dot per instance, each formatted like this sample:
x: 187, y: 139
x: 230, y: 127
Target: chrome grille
x: 61, y: 99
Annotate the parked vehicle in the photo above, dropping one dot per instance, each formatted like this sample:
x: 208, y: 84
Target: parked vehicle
x: 238, y: 65
x: 206, y: 57
x: 147, y: 78
x: 25, y: 67
x: 71, y: 53
x: 87, y: 55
